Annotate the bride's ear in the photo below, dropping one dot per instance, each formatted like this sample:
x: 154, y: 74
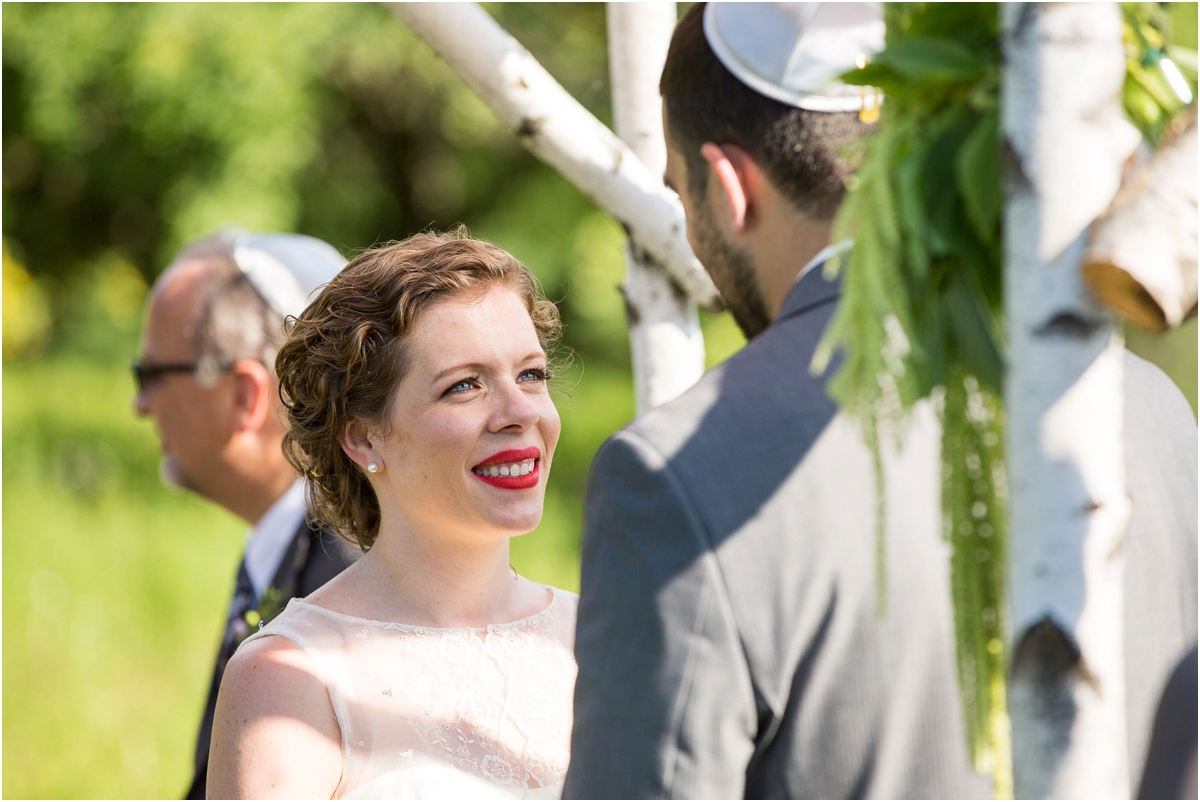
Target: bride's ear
x: 357, y: 442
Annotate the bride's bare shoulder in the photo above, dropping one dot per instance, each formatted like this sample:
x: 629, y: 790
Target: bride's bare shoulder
x: 275, y: 734
x: 273, y: 670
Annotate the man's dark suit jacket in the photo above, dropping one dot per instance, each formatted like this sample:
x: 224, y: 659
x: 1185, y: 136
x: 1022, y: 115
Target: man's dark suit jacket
x: 314, y: 557
x: 728, y: 641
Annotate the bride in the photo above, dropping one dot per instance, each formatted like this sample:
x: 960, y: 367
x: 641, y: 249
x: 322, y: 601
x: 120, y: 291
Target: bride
x: 416, y: 391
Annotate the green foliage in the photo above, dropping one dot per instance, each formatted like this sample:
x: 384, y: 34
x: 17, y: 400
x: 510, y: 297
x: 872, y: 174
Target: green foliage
x: 925, y: 215
x: 131, y: 129
x: 1153, y: 56
x: 921, y: 311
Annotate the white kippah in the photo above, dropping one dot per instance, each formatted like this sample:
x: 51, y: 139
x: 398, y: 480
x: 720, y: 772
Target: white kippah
x: 794, y: 52
x: 286, y: 269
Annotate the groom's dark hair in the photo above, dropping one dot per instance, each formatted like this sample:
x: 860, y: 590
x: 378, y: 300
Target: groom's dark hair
x: 800, y: 151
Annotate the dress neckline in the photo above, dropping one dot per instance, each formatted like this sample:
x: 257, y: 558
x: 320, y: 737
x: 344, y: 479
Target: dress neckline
x: 416, y: 627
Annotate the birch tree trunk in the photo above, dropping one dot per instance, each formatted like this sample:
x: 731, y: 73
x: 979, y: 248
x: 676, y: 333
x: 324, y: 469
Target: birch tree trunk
x: 1065, y: 130
x: 562, y: 133
x: 664, y: 330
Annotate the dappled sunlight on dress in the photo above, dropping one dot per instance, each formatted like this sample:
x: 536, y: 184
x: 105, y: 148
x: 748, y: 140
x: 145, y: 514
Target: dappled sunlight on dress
x: 435, y: 713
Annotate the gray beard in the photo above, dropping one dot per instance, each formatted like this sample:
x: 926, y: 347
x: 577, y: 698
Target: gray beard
x: 733, y: 272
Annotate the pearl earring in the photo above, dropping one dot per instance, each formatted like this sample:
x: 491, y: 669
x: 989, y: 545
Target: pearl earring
x: 372, y: 467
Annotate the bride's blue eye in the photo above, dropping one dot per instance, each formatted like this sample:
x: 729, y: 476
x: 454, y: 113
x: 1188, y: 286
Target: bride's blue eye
x: 459, y: 386
x: 533, y: 375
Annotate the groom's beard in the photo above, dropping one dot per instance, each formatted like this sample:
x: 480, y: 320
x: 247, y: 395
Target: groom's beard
x: 732, y: 271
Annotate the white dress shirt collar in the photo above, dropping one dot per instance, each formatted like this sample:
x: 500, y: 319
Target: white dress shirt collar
x: 268, y: 541
x: 825, y: 254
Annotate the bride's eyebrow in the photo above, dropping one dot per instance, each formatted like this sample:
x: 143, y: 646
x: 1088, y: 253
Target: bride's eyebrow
x: 538, y: 354
x: 480, y: 367
x: 464, y: 367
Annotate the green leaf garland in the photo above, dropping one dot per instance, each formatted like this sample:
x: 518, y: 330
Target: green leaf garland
x: 920, y: 315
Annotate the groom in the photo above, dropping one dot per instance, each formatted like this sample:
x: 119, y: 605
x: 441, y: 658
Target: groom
x: 728, y: 641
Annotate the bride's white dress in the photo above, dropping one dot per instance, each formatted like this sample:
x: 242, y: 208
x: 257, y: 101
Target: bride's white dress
x: 438, y: 713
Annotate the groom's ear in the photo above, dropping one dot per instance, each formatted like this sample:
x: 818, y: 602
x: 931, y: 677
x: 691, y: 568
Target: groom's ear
x: 738, y: 185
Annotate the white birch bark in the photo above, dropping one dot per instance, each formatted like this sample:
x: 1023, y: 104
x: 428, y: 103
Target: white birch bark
x: 1063, y: 124
x: 1141, y: 260
x: 664, y: 330
x: 562, y: 133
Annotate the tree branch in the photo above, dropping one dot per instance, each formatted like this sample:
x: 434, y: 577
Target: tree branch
x: 1141, y: 260
x: 562, y: 133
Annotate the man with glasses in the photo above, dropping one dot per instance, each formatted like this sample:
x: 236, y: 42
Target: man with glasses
x: 206, y: 376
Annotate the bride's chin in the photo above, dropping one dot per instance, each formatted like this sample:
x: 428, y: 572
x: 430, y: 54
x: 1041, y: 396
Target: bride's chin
x: 515, y: 522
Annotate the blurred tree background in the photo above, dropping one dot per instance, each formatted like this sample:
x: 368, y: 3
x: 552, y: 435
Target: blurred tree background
x: 129, y: 130
x: 132, y: 129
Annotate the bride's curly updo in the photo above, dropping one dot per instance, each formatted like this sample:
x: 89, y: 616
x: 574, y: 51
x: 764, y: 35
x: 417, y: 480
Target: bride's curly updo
x: 346, y: 353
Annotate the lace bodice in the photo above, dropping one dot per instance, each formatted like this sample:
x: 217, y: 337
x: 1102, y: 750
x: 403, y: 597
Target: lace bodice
x: 436, y: 713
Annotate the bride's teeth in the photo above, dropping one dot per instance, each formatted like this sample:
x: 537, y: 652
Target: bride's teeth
x: 522, y: 468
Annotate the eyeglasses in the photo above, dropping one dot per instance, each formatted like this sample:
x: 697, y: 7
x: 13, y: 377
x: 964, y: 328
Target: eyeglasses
x: 144, y: 373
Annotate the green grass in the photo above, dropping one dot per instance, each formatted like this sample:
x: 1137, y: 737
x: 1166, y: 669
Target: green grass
x: 114, y: 589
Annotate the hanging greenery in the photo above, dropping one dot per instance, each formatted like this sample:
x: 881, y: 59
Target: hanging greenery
x: 920, y: 312
x: 921, y: 309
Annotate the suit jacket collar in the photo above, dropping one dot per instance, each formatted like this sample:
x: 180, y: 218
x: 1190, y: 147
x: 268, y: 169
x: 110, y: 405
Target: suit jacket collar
x: 810, y: 291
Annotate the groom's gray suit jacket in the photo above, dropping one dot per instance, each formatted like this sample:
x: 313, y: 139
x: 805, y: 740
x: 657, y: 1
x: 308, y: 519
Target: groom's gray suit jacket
x: 728, y: 640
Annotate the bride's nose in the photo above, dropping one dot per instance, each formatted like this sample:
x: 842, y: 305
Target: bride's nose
x: 514, y: 410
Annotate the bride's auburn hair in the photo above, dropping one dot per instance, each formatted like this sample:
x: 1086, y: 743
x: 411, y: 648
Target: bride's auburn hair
x: 346, y: 353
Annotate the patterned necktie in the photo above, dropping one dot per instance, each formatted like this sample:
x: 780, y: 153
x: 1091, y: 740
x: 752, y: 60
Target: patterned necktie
x: 237, y: 627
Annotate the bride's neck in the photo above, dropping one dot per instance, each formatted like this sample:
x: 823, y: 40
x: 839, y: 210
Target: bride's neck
x: 434, y: 582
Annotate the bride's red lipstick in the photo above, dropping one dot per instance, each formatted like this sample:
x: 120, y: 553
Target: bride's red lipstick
x: 513, y: 456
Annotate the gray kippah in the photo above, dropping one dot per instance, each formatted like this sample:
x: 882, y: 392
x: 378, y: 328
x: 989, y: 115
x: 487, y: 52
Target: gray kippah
x: 793, y: 52
x: 286, y: 269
